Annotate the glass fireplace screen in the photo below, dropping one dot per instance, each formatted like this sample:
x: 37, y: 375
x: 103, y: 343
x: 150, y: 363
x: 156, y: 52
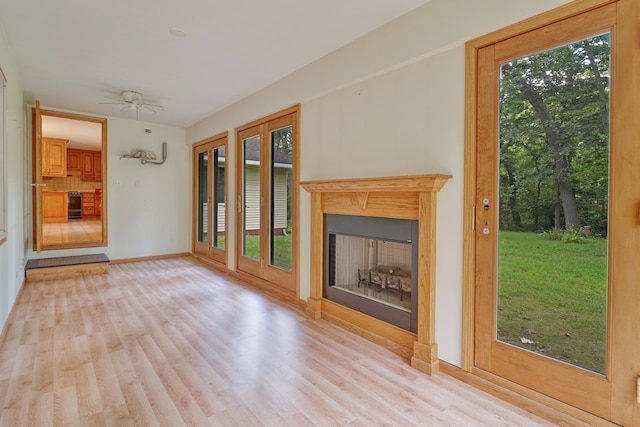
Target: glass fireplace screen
x: 374, y: 271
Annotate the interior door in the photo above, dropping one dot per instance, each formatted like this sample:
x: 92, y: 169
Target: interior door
x: 266, y: 203
x: 552, y: 128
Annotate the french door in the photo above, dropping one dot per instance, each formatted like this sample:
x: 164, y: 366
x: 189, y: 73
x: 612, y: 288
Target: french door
x: 267, y: 198
x: 556, y: 151
x: 210, y: 198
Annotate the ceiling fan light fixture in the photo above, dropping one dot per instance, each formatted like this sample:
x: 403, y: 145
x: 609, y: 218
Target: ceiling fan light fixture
x: 131, y: 96
x: 134, y: 101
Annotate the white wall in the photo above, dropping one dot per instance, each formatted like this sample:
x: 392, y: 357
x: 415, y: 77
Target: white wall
x: 12, y: 252
x: 148, y: 206
x: 390, y: 103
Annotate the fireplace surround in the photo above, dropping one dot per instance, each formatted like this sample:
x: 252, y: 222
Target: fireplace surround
x: 411, y: 197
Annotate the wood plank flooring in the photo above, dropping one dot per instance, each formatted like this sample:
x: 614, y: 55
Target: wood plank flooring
x: 171, y: 343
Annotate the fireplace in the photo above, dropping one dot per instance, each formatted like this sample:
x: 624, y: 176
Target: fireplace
x: 403, y: 202
x: 371, y: 266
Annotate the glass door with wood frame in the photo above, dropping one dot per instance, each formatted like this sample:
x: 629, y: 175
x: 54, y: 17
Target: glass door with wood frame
x: 210, y: 223
x: 266, y: 183
x: 547, y: 234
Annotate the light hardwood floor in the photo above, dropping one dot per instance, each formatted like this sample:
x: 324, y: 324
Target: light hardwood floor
x: 171, y: 343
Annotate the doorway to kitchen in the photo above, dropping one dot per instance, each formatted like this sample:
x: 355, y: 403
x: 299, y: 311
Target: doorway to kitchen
x: 69, y: 157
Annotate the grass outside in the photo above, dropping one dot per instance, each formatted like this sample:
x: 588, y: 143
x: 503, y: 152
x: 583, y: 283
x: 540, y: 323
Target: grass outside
x: 554, y: 294
x: 282, y: 249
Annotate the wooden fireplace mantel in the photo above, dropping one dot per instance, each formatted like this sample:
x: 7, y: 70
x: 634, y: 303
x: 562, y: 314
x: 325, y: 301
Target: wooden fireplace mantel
x: 402, y: 197
x: 391, y: 183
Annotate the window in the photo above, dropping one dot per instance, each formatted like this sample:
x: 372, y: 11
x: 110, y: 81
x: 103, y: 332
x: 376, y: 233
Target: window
x: 3, y: 158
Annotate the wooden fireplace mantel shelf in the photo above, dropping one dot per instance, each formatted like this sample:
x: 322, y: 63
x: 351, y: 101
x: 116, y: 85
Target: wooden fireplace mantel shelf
x: 433, y: 182
x: 403, y: 197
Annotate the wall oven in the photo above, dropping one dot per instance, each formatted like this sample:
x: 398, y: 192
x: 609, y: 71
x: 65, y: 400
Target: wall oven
x: 75, y: 205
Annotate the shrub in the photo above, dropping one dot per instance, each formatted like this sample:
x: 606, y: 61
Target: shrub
x: 554, y: 234
x: 566, y: 236
x: 573, y: 236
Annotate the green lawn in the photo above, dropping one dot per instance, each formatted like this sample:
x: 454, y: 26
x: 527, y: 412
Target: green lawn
x: 282, y: 250
x: 554, y: 294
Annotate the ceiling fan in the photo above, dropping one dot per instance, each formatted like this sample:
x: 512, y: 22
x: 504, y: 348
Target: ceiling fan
x: 132, y: 100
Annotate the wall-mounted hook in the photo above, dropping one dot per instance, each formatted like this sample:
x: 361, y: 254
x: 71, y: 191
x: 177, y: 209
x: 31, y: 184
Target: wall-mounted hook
x: 154, y: 162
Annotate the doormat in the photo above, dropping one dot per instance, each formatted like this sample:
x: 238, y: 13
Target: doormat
x: 66, y: 260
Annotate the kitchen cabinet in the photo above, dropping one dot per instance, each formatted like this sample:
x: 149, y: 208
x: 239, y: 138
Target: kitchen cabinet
x: 54, y: 207
x: 54, y: 157
x: 98, y: 195
x: 92, y: 166
x: 74, y: 160
x: 89, y: 204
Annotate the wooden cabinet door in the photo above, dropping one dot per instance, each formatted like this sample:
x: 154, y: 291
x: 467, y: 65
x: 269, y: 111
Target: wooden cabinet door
x: 91, y: 166
x: 87, y: 166
x: 74, y: 160
x: 88, y: 204
x: 54, y: 157
x: 97, y: 166
x: 54, y: 207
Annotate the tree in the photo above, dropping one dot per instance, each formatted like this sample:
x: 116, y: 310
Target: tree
x: 554, y: 124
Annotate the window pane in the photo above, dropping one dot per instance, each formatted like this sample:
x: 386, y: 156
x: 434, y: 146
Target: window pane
x: 203, y: 194
x: 554, y: 169
x: 281, y: 197
x: 3, y: 157
x: 251, y: 196
x: 219, y: 202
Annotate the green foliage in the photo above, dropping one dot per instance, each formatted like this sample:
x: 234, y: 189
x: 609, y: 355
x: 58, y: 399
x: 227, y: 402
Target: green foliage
x: 573, y: 236
x: 554, y: 234
x: 573, y: 81
x: 566, y: 236
x: 554, y: 295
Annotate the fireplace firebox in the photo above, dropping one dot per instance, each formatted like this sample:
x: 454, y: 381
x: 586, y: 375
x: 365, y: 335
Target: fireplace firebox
x: 371, y: 266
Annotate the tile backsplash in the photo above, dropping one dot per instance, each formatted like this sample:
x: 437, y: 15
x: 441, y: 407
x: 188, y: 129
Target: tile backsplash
x: 71, y: 183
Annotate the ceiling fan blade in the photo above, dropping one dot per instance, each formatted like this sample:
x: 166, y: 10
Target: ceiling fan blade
x: 158, y: 107
x: 146, y: 108
x: 115, y: 99
x: 111, y: 103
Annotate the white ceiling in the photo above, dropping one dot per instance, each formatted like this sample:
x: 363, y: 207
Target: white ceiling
x: 73, y: 53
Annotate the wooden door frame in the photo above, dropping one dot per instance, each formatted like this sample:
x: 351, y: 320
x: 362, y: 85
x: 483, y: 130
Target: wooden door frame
x: 220, y: 140
x: 37, y: 114
x: 626, y: 112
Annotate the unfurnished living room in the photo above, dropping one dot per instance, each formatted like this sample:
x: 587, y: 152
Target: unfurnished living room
x: 320, y: 213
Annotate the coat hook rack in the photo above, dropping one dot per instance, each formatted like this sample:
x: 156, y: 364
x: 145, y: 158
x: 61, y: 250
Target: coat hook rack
x: 155, y: 162
x: 144, y: 155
